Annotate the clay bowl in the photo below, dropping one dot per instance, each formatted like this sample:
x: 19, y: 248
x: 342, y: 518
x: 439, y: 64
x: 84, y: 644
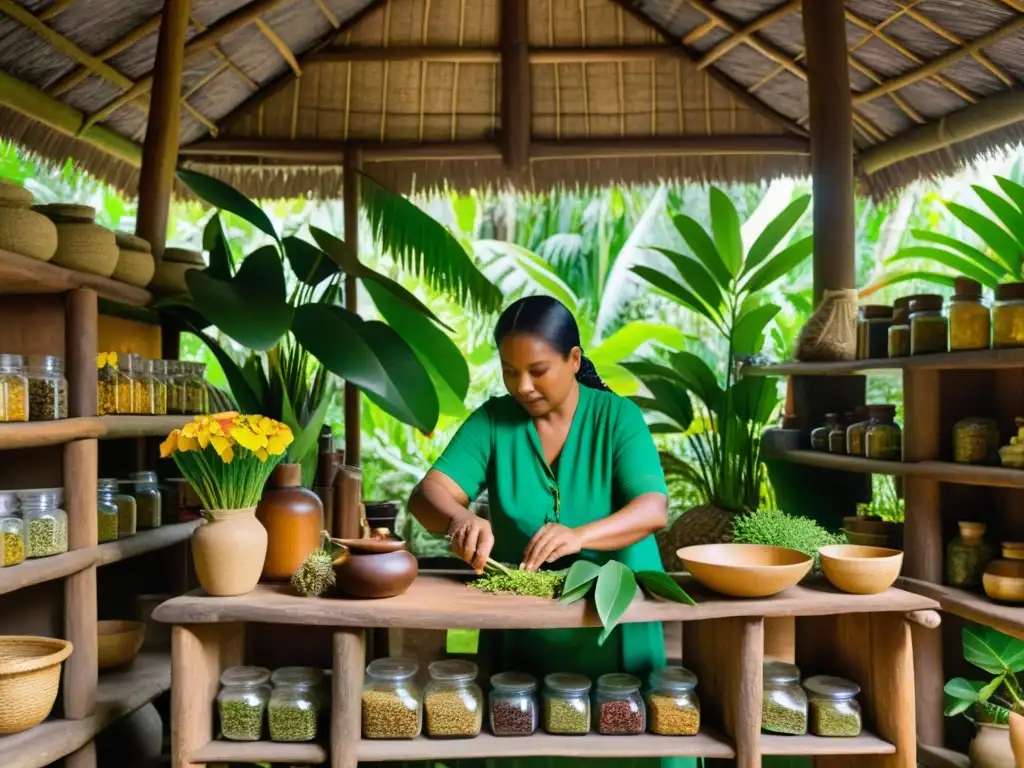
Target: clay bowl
x: 868, y: 539
x: 860, y: 570
x: 119, y: 642
x: 374, y: 569
x: 1004, y: 581
x: 745, y: 570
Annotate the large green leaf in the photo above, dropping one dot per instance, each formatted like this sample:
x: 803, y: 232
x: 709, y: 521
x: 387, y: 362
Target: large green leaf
x: 703, y: 248
x: 961, y: 694
x: 1012, y: 190
x: 371, y: 356
x: 226, y: 198
x: 616, y: 588
x: 959, y: 264
x: 581, y: 576
x: 992, y: 650
x: 754, y: 399
x: 1002, y: 243
x: 629, y: 338
x: 1010, y: 217
x: 248, y: 401
x: 256, y: 376
x: 666, y: 285
x: 311, y: 265
x: 782, y: 263
x: 696, y: 277
x: 903, y: 276
x: 668, y: 398
x: 664, y: 586
x: 215, y: 243
x: 252, y: 307
x: 972, y: 254
x: 307, y: 437
x: 748, y: 333
x: 538, y: 270
x: 774, y: 233
x: 725, y: 224
x: 698, y: 376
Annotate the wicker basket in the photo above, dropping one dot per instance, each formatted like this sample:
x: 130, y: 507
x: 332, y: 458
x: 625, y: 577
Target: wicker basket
x: 170, y: 271
x: 25, y: 232
x: 29, y: 679
x: 14, y: 195
x: 86, y: 247
x: 135, y: 264
x: 61, y: 213
x: 119, y: 642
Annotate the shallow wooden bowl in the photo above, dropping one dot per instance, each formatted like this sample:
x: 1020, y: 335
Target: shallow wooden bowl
x: 1004, y: 581
x: 860, y: 570
x: 745, y: 570
x: 119, y: 642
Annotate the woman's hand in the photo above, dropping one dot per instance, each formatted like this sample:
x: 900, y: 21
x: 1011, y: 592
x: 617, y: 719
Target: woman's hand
x: 550, y: 543
x: 471, y: 539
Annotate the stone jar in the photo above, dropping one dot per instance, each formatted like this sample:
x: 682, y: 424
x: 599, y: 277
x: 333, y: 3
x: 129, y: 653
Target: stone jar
x: 228, y: 551
x: 294, y: 519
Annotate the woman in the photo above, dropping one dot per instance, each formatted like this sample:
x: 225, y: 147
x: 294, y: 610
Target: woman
x: 571, y: 471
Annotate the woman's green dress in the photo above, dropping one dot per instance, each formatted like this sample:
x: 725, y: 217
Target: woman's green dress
x: 608, y: 459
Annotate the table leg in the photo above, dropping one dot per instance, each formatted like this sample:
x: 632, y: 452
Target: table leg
x: 349, y: 659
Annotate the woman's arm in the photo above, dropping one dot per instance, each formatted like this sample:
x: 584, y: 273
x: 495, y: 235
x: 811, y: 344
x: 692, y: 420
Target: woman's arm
x: 441, y: 507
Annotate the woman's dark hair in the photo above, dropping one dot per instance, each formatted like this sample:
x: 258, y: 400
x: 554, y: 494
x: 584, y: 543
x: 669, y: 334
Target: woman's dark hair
x: 552, y: 321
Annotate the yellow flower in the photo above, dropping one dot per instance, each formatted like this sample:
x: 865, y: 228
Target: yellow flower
x: 170, y: 445
x: 187, y: 442
x: 223, y: 447
x: 246, y: 437
x: 261, y: 454
x: 103, y: 359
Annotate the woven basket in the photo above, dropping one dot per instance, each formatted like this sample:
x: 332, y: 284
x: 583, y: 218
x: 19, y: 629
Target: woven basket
x: 14, y: 195
x: 135, y: 264
x: 170, y: 271
x: 119, y: 642
x: 67, y: 213
x: 25, y: 232
x: 29, y: 679
x: 86, y: 247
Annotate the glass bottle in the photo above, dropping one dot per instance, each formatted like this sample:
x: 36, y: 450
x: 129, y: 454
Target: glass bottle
x: 873, y: 324
x: 513, y: 704
x: 566, y: 700
x: 619, y: 707
x: 12, y: 530
x: 976, y: 441
x: 159, y: 372
x: 837, y: 435
x: 147, y: 500
x: 819, y: 435
x: 13, y: 389
x: 899, y: 331
x: 142, y: 391
x: 970, y: 321
x: 784, y: 709
x: 857, y: 430
x: 833, y: 706
x: 452, y: 701
x: 673, y: 708
x: 242, y: 702
x: 392, y: 702
x: 106, y: 384
x: 883, y: 439
x: 196, y: 396
x: 294, y: 704
x: 46, y: 524
x: 1008, y: 316
x: 106, y: 509
x: 126, y: 373
x: 928, y: 327
x: 47, y: 388
x: 967, y: 555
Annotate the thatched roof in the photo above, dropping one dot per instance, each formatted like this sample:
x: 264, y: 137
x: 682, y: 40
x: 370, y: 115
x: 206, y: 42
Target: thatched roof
x: 274, y: 91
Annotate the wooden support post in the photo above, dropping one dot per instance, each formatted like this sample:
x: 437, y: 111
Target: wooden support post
x: 831, y: 126
x: 349, y: 659
x: 350, y: 195
x: 516, y: 115
x: 348, y: 494
x: 83, y: 758
x: 160, y: 151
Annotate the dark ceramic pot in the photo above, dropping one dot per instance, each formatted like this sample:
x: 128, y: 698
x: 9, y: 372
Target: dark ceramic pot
x: 374, y: 569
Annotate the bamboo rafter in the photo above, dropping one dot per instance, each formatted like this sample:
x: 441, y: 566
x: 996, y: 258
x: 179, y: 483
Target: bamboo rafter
x: 69, y: 81
x: 762, y: 21
x: 424, y: 30
x: 331, y: 17
x: 280, y: 45
x: 700, y: 31
x: 385, y: 34
x: 219, y: 53
x: 55, y: 9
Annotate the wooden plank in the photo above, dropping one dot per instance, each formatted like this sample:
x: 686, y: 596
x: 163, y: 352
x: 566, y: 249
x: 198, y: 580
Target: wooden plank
x: 938, y: 757
x: 259, y: 752
x: 42, y: 433
x: 865, y: 744
x: 144, y: 542
x: 20, y: 274
x: 968, y: 605
x: 434, y: 602
x: 983, y: 359
x: 349, y: 659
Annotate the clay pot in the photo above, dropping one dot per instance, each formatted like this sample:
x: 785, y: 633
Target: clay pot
x: 293, y: 517
x: 229, y: 551
x: 1017, y: 738
x: 990, y: 748
x: 374, y: 569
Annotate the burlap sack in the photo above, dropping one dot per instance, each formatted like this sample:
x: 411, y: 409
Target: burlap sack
x: 831, y: 332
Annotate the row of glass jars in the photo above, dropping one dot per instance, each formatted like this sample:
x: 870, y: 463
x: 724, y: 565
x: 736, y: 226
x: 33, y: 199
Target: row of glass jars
x: 870, y: 431
x: 32, y: 388
x: 823, y: 704
x: 131, y: 384
x: 288, y: 702
x: 32, y: 524
x: 452, y: 705
x: 120, y: 515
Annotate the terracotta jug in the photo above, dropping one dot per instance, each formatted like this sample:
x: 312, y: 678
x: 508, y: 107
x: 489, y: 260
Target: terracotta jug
x: 228, y: 551
x: 990, y: 748
x: 293, y: 517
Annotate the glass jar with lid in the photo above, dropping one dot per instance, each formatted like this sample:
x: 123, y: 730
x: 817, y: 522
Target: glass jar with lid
x: 834, y: 710
x: 452, y: 701
x: 392, y: 707
x: 106, y: 510
x: 967, y: 555
x: 928, y: 326
x: 970, y: 320
x: 566, y: 702
x: 294, y: 705
x: 106, y: 383
x: 883, y: 438
x: 127, y: 513
x: 160, y: 390
x: 619, y: 707
x: 127, y: 371
x: 819, y: 435
x: 899, y: 331
x: 147, y: 499
x: 12, y: 529
x: 873, y: 324
x: 976, y: 441
x: 175, y: 387
x: 513, y: 704
x: 1008, y: 316
x: 142, y: 391
x: 784, y: 709
x: 13, y: 389
x: 242, y: 702
x: 672, y: 705
x: 197, y: 399
x: 837, y: 436
x: 857, y: 430
x: 46, y: 524
x: 47, y: 388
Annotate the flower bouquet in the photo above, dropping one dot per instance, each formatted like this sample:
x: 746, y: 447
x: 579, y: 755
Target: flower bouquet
x: 227, y: 458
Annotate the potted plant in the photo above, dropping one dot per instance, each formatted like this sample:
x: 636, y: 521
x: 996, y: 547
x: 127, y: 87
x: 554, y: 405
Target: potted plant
x: 227, y: 458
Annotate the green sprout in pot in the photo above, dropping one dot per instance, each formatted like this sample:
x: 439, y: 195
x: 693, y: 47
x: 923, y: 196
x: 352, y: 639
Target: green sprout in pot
x: 316, y: 574
x: 1002, y: 657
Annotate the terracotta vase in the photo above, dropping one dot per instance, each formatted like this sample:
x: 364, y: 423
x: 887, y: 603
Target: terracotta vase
x: 1017, y: 738
x: 990, y: 748
x: 293, y: 517
x: 228, y: 551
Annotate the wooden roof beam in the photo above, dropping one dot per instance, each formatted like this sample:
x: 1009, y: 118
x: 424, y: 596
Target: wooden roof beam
x: 764, y: 20
x: 516, y: 94
x: 70, y: 80
x: 468, y: 55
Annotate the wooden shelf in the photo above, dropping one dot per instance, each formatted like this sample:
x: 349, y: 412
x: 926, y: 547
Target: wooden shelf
x: 259, y: 752
x: 865, y: 744
x: 943, y: 471
x: 938, y: 757
x: 120, y: 693
x: 20, y: 274
x: 15, y: 577
x: 35, y: 434
x: 971, y: 606
x: 982, y: 359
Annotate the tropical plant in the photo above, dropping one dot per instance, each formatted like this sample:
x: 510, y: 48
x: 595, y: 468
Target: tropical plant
x: 1002, y: 657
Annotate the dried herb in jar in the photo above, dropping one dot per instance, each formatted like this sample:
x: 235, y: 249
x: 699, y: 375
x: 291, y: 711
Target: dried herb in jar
x: 290, y: 722
x: 241, y: 720
x: 14, y: 548
x: 452, y: 713
x: 833, y: 718
x: 107, y: 528
x: 390, y: 715
x: 566, y: 716
x: 43, y: 400
x: 777, y: 718
x: 620, y: 718
x: 46, y: 537
x: 106, y: 398
x: 125, y: 396
x: 509, y: 719
x: 669, y: 717
x: 976, y: 441
x: 13, y: 399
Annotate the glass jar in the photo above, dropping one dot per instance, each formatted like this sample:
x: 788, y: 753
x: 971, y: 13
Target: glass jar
x: 967, y: 555
x: 619, y: 707
x: 242, y: 701
x: 819, y: 435
x: 784, y: 708
x: 143, y: 389
x: 106, y: 383
x: 833, y: 706
x: 857, y: 430
x: 197, y: 399
x: 566, y: 703
x: 899, y: 331
x: 873, y: 324
x: 106, y: 510
x: 126, y: 373
x: 294, y: 704
x: 928, y: 327
x: 392, y: 706
x: 976, y: 441
x: 147, y: 500
x: 12, y: 529
x: 513, y: 704
x: 672, y: 705
x: 47, y: 388
x: 452, y: 701
x: 46, y: 524
x: 837, y: 437
x: 13, y: 389
x: 883, y: 438
x: 970, y: 321
x: 127, y: 513
x: 158, y: 369
x: 1008, y: 316
x: 175, y: 387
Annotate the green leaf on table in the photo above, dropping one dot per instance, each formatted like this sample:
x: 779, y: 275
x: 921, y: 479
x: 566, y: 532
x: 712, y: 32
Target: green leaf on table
x: 581, y: 575
x: 662, y: 585
x: 779, y: 265
x: 748, y: 333
x: 775, y: 232
x: 226, y: 198
x: 616, y: 588
x: 310, y: 265
x: 725, y: 225
x: 703, y: 248
x: 992, y: 650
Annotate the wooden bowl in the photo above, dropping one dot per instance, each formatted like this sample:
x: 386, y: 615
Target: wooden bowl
x: 119, y: 642
x: 1004, y: 581
x: 745, y: 570
x: 860, y: 570
x: 374, y: 569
